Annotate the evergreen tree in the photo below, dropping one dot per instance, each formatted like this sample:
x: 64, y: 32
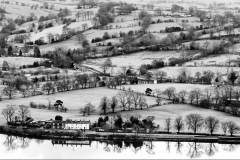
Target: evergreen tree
x: 36, y: 51
x: 10, y: 51
x: 20, y: 53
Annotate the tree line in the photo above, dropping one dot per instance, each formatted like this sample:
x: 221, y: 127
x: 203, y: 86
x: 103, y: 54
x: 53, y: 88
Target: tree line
x: 123, y: 100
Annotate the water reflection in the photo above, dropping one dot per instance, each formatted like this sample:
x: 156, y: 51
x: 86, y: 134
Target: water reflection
x: 195, y: 150
x: 13, y: 142
x: 189, y: 149
x: 179, y: 146
x: 229, y: 147
x: 211, y: 149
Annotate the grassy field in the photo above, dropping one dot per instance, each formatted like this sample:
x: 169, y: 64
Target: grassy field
x: 69, y: 44
x: 73, y: 100
x: 173, y: 72
x: 222, y: 33
x: 14, y: 11
x: 19, y: 61
x: 160, y: 113
x: 174, y: 110
x: 218, y: 59
x: 135, y: 59
x: 201, y: 43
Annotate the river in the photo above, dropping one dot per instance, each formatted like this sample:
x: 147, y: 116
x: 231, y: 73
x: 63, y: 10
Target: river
x: 12, y: 147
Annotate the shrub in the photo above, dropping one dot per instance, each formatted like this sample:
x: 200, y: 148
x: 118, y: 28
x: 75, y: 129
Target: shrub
x: 32, y: 105
x: 109, y: 44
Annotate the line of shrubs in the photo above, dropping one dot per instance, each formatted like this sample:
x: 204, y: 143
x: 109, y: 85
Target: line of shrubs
x: 49, y: 107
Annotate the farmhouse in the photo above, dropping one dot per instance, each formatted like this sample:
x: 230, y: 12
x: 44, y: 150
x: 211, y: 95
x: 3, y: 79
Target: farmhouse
x: 69, y: 124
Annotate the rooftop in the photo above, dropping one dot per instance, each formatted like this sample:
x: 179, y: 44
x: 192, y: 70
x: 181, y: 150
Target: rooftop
x: 73, y: 122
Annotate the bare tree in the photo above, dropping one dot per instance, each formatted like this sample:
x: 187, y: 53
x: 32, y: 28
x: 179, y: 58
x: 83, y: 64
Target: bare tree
x: 233, y: 128
x: 158, y: 11
x: 159, y: 101
x: 142, y: 102
x: 122, y: 98
x: 88, y: 109
x: 211, y: 124
x: 85, y: 26
x: 197, y: 94
x: 182, y: 95
x: 169, y: 92
x: 49, y: 37
x: 194, y: 122
x: 129, y: 96
x: 24, y: 89
x: 191, y: 96
x: 224, y: 126
x: 23, y: 112
x: 135, y: 99
x: 184, y: 25
x: 106, y: 64
x: 160, y: 75
x: 168, y: 124
x: 9, y: 112
x: 80, y: 38
x: 104, y: 105
x: 208, y: 94
x: 206, y: 44
x: 114, y: 103
x: 179, y: 124
x: 216, y: 96
x: 9, y: 91
x: 48, y: 87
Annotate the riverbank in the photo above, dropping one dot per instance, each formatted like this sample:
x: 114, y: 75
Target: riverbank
x: 92, y: 135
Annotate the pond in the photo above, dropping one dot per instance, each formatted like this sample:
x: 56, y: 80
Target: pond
x: 12, y: 147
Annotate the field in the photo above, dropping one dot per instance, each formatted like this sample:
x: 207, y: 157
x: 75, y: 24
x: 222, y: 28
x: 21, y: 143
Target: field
x: 73, y: 100
x: 14, y: 11
x: 18, y: 61
x: 215, y: 59
x: 57, y: 4
x: 201, y: 43
x: 69, y: 44
x: 134, y: 60
x: 174, y: 110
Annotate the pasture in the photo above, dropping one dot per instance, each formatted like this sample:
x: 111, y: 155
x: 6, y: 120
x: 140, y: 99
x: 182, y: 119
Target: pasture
x: 18, y: 61
x: 174, y: 110
x: 73, y: 100
x: 223, y: 59
x: 134, y: 60
x: 14, y: 11
x: 212, y: 43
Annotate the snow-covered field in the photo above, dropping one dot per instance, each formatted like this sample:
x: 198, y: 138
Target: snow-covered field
x: 223, y: 59
x: 18, y: 61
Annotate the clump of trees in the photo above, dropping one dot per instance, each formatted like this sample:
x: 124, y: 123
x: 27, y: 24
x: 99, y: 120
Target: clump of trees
x: 13, y: 113
x: 127, y: 100
x: 57, y: 106
x: 222, y: 98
